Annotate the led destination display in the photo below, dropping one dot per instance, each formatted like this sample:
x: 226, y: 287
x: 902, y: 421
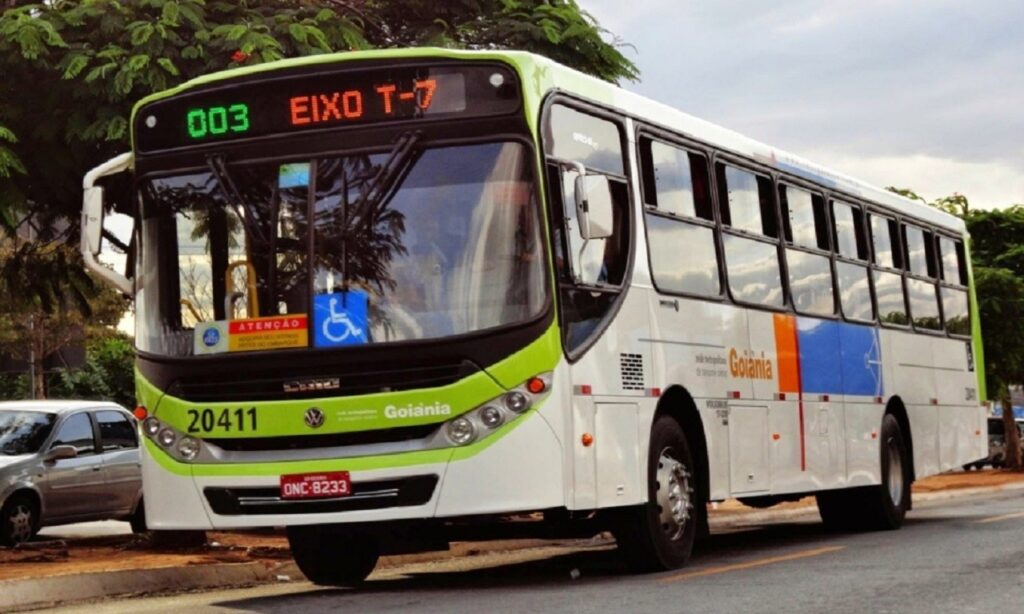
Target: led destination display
x: 278, y: 105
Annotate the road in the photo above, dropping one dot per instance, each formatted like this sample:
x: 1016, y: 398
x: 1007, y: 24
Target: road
x: 953, y: 556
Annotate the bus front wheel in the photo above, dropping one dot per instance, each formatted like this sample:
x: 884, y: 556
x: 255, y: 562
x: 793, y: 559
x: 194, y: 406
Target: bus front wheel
x: 659, y: 534
x: 874, y: 508
x: 333, y: 556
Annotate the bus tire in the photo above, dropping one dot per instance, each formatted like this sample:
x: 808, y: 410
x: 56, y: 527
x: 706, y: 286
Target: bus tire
x: 874, y: 508
x: 333, y: 556
x: 660, y: 534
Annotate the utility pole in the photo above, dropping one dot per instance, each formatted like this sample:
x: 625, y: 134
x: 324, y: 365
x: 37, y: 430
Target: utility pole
x: 32, y: 356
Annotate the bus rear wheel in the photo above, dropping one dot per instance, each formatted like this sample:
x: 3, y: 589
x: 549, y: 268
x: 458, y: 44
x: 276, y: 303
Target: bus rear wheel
x: 874, y: 508
x: 332, y: 555
x: 660, y: 534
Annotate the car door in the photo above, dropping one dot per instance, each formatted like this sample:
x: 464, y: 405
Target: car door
x: 74, y: 486
x: 122, y: 467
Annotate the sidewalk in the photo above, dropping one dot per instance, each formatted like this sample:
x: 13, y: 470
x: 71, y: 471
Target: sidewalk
x: 56, y: 570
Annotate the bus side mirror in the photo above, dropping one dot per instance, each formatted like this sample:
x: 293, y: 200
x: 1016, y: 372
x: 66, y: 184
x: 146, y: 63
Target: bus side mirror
x: 92, y: 220
x: 594, y: 206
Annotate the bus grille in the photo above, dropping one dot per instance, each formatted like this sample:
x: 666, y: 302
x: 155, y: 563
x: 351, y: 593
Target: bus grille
x: 380, y: 494
x: 334, y: 440
x: 280, y: 384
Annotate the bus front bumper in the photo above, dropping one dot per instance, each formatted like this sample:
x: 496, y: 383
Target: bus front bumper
x: 520, y: 470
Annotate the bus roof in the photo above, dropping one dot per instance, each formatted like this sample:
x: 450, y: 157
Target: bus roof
x: 541, y: 75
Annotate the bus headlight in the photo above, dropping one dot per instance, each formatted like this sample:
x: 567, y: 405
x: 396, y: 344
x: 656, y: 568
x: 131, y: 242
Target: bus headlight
x: 461, y: 431
x: 180, y: 446
x: 484, y: 420
x: 517, y: 401
x: 151, y: 426
x: 491, y: 417
x: 166, y: 437
x: 188, y: 448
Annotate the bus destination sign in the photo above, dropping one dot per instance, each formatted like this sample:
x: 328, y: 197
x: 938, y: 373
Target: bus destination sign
x: 289, y: 104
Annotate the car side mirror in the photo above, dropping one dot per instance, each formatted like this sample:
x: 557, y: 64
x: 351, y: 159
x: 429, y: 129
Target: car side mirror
x: 57, y: 453
x: 594, y: 206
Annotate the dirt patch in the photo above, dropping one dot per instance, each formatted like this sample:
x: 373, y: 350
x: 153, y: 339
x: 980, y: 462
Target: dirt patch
x: 51, y: 557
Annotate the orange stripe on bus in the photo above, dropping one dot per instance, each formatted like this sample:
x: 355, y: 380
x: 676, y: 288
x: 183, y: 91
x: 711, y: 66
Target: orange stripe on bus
x: 787, y: 353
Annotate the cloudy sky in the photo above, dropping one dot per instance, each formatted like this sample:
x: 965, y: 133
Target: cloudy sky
x: 926, y: 94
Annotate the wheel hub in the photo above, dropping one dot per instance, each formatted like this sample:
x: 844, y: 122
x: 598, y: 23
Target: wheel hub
x: 675, y: 495
x: 21, y: 524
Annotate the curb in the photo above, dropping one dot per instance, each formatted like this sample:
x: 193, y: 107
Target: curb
x: 40, y: 592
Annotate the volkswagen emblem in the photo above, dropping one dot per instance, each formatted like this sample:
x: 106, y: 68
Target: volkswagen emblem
x: 314, y: 417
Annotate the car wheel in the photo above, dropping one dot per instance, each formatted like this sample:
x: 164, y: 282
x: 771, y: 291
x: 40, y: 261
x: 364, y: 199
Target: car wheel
x: 332, y: 555
x: 881, y: 507
x: 660, y: 534
x: 19, y: 520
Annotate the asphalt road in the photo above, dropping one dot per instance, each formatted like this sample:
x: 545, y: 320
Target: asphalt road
x: 950, y: 556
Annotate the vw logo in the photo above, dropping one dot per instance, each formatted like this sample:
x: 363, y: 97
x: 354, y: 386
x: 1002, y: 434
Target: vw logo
x: 314, y: 417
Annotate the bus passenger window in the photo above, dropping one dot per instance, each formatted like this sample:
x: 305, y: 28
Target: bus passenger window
x: 675, y: 180
x: 854, y: 291
x: 683, y: 257
x: 746, y: 201
x: 849, y: 231
x: 753, y: 268
x: 924, y: 306
x: 919, y: 255
x: 952, y: 257
x: 810, y: 282
x: 889, y: 294
x: 955, y: 309
x: 803, y: 218
x: 882, y: 238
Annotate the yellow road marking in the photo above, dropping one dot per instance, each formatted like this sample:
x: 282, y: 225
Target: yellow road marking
x: 998, y: 518
x: 751, y: 564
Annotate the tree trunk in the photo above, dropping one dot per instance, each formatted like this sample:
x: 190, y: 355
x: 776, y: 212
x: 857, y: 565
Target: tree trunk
x: 1012, y: 437
x: 38, y: 377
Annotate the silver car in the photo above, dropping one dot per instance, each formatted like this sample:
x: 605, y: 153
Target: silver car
x: 67, y: 461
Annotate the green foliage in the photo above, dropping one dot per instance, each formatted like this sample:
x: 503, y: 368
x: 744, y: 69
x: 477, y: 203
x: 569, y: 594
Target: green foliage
x: 72, y: 70
x: 108, y: 374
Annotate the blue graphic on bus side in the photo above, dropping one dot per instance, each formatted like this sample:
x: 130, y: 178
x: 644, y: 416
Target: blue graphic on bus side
x: 341, y: 319
x: 839, y: 358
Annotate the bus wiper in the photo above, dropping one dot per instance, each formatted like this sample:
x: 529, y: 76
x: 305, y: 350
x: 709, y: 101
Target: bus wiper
x: 382, y: 185
x: 218, y: 166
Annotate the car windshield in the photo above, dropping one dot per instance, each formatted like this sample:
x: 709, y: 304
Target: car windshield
x: 23, y: 432
x: 338, y: 251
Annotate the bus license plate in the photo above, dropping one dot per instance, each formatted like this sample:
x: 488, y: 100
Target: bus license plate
x: 316, y: 485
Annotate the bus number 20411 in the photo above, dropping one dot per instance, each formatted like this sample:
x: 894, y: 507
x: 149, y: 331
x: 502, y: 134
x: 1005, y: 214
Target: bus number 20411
x: 206, y: 420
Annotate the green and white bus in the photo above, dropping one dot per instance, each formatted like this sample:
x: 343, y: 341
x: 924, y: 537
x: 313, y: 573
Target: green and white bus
x: 391, y: 299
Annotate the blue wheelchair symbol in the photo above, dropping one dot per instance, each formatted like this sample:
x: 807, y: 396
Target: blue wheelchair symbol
x: 340, y: 319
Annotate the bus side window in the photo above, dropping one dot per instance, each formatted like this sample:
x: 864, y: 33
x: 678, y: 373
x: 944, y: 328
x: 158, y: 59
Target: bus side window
x: 749, y: 237
x: 953, y: 287
x: 922, y: 291
x: 852, y: 254
x: 680, y: 220
x: 809, y: 263
x: 889, y: 295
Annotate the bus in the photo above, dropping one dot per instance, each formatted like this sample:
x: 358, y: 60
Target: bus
x: 391, y: 299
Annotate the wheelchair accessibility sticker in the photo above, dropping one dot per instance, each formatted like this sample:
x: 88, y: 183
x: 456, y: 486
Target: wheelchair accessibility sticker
x: 340, y: 319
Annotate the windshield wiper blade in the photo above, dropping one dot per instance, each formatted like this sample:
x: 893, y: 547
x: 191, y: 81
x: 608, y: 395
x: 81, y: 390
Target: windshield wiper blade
x: 218, y: 166
x: 398, y: 162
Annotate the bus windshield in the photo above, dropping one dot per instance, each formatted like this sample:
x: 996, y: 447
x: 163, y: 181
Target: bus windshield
x: 339, y: 251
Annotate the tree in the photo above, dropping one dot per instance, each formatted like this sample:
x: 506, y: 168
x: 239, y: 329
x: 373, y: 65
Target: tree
x: 50, y: 303
x: 73, y: 70
x: 997, y: 253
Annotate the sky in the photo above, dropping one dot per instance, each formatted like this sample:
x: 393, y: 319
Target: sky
x: 922, y: 94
